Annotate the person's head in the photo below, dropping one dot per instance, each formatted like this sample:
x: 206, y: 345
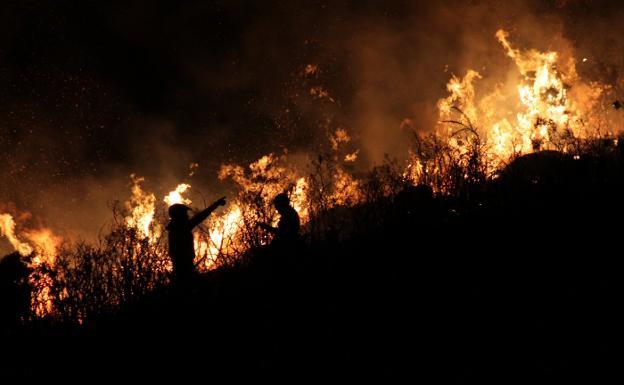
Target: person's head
x: 178, y: 212
x: 281, y: 202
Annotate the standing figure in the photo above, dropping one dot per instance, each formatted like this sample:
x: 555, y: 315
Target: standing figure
x: 181, y: 247
x: 287, y: 230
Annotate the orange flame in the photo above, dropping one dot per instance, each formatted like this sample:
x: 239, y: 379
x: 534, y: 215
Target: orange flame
x: 175, y: 196
x: 7, y: 229
x: 142, y: 206
x: 540, y: 115
x: 42, y: 245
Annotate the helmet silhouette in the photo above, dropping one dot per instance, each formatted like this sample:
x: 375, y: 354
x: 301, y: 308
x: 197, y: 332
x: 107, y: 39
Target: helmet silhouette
x: 281, y: 200
x: 178, y: 210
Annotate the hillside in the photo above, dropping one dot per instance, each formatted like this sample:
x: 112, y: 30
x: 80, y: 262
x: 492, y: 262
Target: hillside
x: 517, y: 281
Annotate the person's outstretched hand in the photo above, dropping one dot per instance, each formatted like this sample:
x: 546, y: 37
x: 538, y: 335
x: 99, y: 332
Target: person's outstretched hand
x: 220, y: 202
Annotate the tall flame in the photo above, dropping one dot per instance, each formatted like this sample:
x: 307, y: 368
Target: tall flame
x: 142, y: 206
x: 7, y: 229
x: 175, y: 196
x: 42, y: 246
x: 541, y: 114
x: 45, y: 242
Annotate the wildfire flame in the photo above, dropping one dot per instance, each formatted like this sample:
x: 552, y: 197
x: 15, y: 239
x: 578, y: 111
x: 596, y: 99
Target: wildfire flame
x: 142, y: 206
x: 541, y: 114
x: 222, y: 234
x: 7, y: 229
x: 548, y: 104
x: 41, y: 245
x: 43, y: 241
x: 175, y: 196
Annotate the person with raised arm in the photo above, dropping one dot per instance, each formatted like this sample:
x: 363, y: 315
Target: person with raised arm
x: 181, y: 246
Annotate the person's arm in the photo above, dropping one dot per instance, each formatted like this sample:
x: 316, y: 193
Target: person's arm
x: 202, y: 215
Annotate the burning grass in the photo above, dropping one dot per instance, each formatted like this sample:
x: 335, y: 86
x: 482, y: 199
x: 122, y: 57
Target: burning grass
x: 83, y: 281
x: 549, y: 108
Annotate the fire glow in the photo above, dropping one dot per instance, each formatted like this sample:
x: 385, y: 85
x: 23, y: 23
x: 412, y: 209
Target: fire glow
x: 516, y: 118
x: 547, y: 106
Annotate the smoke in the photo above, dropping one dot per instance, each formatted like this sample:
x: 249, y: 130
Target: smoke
x: 95, y: 93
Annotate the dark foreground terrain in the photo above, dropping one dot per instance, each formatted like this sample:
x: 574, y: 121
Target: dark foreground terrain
x: 517, y: 282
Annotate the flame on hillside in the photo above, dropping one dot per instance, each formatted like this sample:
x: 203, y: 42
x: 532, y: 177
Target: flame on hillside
x: 545, y: 106
x: 537, y: 112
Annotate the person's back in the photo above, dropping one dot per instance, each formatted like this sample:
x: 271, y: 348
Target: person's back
x: 288, y: 225
x: 14, y: 291
x: 181, y: 248
x: 286, y: 241
x: 287, y: 231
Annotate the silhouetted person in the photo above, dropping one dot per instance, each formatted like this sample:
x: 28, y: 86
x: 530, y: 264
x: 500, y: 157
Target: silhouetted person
x: 14, y: 292
x: 287, y: 230
x: 278, y: 259
x: 181, y: 247
x: 620, y: 145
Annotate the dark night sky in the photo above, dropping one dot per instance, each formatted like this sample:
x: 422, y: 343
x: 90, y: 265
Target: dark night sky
x: 87, y: 73
x: 93, y: 91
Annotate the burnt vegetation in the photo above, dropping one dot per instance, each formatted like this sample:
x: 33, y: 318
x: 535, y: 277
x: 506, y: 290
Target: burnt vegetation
x: 465, y: 276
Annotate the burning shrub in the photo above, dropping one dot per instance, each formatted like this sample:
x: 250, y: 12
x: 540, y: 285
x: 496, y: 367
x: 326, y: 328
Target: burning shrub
x: 477, y: 137
x: 89, y: 280
x: 447, y: 169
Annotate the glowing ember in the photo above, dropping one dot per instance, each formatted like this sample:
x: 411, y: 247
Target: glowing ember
x: 339, y: 137
x: 352, y: 157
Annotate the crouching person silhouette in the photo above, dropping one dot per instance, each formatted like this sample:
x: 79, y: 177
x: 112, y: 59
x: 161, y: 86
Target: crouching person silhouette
x: 181, y: 248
